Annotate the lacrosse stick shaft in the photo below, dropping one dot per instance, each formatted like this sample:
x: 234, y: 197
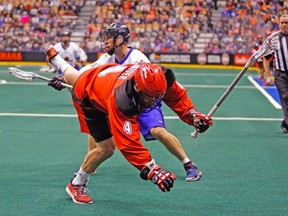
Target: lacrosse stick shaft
x: 47, y: 79
x: 226, y: 93
x: 265, y: 49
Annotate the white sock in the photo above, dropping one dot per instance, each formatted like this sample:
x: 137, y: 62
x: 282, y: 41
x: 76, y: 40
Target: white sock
x: 186, y: 160
x: 81, y: 178
x: 60, y: 63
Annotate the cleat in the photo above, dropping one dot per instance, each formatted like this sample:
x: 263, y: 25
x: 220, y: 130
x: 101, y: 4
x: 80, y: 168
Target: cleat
x: 284, y: 127
x: 78, y: 194
x: 192, y: 172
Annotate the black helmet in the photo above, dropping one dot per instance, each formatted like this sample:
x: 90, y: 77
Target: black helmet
x: 65, y: 33
x: 117, y: 29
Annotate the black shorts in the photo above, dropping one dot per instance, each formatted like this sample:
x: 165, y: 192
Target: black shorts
x: 92, y: 120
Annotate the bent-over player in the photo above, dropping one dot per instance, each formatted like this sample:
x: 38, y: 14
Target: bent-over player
x: 108, y: 100
x: 152, y: 125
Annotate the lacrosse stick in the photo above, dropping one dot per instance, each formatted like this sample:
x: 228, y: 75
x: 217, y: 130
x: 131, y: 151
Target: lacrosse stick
x: 30, y: 75
x: 267, y: 48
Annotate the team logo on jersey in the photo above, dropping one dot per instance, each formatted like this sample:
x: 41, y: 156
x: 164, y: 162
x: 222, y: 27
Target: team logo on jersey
x: 127, y: 127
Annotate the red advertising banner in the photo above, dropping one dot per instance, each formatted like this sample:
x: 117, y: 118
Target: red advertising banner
x: 11, y: 56
x: 241, y: 59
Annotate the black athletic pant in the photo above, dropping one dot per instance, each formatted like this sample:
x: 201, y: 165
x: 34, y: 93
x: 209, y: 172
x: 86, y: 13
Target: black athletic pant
x: 281, y: 82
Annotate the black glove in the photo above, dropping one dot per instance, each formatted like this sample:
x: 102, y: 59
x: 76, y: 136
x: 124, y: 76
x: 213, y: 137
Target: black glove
x: 201, y: 122
x: 56, y: 83
x: 157, y: 175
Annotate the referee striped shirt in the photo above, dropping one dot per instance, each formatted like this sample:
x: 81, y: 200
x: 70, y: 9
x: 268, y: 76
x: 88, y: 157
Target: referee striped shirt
x: 281, y: 54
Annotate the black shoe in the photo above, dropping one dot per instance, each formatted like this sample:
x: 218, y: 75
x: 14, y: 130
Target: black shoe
x: 284, y: 127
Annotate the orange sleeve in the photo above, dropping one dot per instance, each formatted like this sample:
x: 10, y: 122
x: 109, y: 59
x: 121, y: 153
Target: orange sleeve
x: 177, y: 99
x: 126, y: 135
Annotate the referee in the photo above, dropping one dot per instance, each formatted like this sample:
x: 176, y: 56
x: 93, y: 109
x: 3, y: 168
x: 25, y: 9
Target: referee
x: 281, y: 69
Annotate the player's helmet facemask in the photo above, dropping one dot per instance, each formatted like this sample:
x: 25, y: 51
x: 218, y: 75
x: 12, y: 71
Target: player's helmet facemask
x: 150, y: 85
x: 112, y: 32
x: 142, y: 92
x: 65, y: 37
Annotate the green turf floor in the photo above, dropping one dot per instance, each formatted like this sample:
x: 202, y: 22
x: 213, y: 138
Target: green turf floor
x: 243, y: 161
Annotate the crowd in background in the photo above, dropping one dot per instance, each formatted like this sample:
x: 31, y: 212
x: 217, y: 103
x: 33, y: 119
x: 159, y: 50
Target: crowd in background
x: 156, y: 26
x: 29, y: 25
x: 243, y: 23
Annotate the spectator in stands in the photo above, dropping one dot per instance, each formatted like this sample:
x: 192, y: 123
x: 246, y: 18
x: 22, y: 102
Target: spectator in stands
x: 240, y: 21
x: 38, y: 17
x: 215, y: 4
x: 36, y: 46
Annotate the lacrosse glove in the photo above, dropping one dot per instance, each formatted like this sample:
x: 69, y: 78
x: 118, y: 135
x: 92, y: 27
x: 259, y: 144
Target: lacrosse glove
x: 201, y: 122
x: 157, y: 175
x: 56, y: 82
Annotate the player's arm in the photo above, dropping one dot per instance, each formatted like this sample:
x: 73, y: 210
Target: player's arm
x: 70, y: 74
x: 126, y: 134
x: 138, y: 57
x: 177, y: 99
x: 81, y: 55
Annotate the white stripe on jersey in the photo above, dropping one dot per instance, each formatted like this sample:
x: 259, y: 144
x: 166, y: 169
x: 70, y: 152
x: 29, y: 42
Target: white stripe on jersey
x: 133, y: 57
x: 281, y: 55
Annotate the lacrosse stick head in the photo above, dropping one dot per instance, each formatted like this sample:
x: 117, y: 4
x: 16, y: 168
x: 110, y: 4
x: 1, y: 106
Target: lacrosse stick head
x: 22, y: 74
x: 268, y: 47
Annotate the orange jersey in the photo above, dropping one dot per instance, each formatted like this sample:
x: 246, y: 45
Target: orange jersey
x: 103, y: 98
x: 177, y: 99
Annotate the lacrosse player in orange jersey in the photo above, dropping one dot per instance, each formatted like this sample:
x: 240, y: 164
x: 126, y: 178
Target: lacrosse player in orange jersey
x: 108, y: 100
x: 151, y: 121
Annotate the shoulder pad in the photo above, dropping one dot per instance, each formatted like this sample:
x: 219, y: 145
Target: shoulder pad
x: 169, y: 75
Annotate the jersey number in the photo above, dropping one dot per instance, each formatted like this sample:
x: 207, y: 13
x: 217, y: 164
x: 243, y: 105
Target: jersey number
x: 127, y: 127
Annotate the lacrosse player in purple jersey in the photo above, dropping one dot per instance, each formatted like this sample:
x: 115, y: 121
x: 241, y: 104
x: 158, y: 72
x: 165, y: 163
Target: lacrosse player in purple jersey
x: 70, y: 51
x: 151, y: 121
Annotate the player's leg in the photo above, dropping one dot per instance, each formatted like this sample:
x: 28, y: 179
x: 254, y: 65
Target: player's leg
x: 281, y: 82
x: 152, y: 127
x: 92, y: 144
x: 76, y: 189
x: 261, y: 70
x: 69, y: 72
x: 174, y: 146
x: 170, y: 141
x: 95, y: 157
x: 93, y: 122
